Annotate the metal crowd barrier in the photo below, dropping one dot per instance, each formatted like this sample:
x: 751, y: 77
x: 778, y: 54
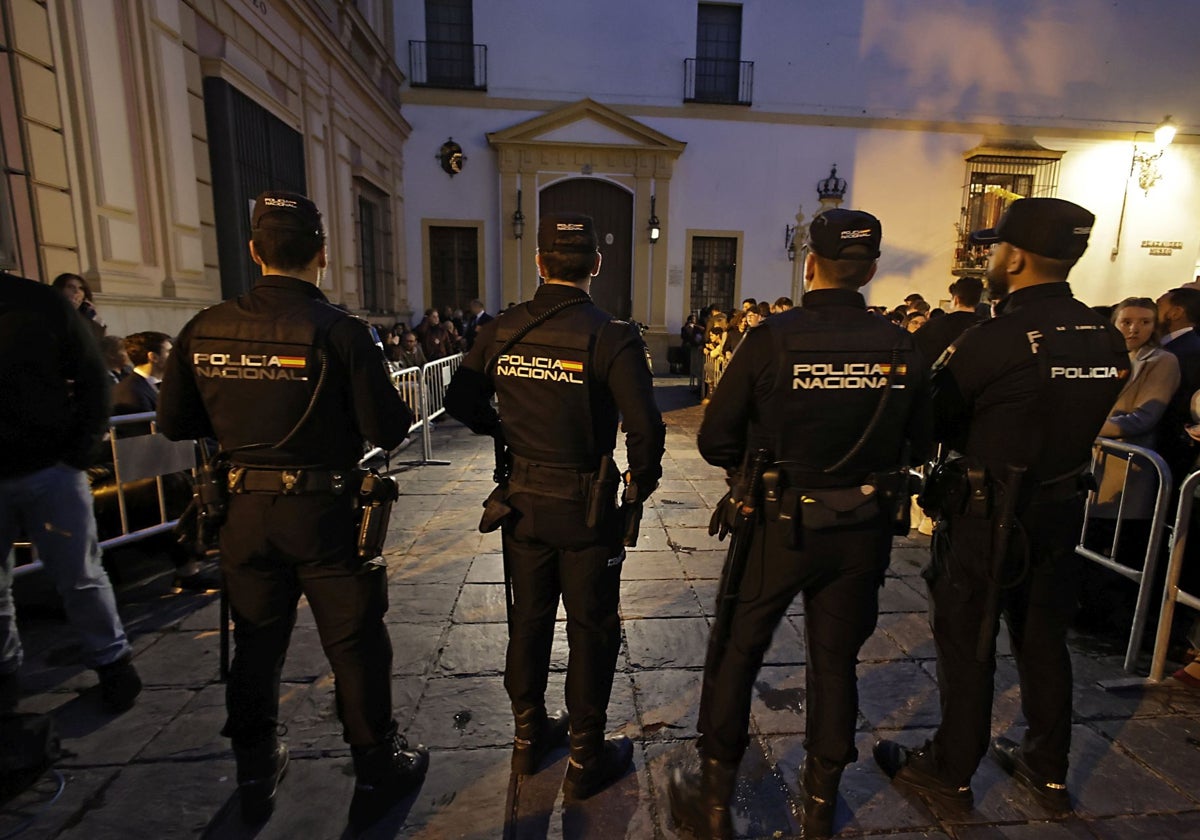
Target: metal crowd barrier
x: 1143, y: 577
x: 1172, y: 594
x: 134, y: 458
x: 424, y: 390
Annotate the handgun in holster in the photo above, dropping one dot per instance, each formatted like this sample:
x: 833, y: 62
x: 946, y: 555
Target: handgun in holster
x: 602, y: 492
x: 211, y: 498
x: 631, y: 512
x: 495, y: 507
x: 376, y: 495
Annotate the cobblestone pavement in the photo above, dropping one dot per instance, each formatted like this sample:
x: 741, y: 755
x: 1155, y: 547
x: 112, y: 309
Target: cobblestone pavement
x: 162, y: 771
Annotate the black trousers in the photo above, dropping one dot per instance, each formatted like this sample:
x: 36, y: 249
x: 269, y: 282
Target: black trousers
x: 273, y: 549
x: 1038, y: 602
x: 839, y: 571
x: 549, y: 552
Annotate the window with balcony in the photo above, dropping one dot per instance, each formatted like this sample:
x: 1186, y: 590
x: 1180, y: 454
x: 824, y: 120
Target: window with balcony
x: 717, y: 74
x: 996, y: 176
x: 447, y: 58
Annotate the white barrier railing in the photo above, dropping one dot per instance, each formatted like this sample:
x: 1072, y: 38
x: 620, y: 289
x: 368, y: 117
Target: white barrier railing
x: 1172, y: 594
x: 424, y: 390
x: 135, y: 458
x: 1143, y: 577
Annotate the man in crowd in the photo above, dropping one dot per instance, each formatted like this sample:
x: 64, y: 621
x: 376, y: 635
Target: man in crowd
x: 833, y: 488
x: 52, y: 418
x: 475, y: 320
x: 138, y: 393
x: 1018, y: 400
x: 292, y: 440
x: 940, y: 333
x: 1178, y: 314
x: 564, y: 535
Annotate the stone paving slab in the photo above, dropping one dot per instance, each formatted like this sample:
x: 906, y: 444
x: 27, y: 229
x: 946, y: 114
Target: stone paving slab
x: 162, y: 770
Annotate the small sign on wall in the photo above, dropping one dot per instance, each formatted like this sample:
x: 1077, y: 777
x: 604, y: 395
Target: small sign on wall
x: 1161, y: 248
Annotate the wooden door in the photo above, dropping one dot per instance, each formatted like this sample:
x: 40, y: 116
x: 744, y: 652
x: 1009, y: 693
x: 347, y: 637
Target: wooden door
x: 611, y: 208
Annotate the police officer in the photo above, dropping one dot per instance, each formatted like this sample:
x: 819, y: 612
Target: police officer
x: 289, y: 385
x: 834, y: 395
x: 563, y: 369
x: 1021, y: 397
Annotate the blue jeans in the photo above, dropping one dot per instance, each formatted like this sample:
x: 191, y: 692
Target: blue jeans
x: 53, y: 506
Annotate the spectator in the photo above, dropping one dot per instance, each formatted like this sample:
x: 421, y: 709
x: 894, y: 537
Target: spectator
x: 748, y: 304
x: 1178, y: 313
x: 455, y: 343
x: 54, y: 413
x: 1106, y: 602
x: 736, y: 331
x: 476, y: 319
x: 139, y: 393
x: 79, y: 293
x: 781, y: 304
x: 913, y: 321
x: 112, y: 348
x: 432, y: 336
x: 452, y: 317
x: 940, y: 333
x: 691, y: 337
x: 410, y: 354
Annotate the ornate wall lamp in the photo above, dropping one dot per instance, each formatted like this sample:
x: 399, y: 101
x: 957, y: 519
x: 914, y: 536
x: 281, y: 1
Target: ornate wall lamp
x: 789, y: 241
x: 1147, y: 156
x: 655, y: 229
x: 518, y: 219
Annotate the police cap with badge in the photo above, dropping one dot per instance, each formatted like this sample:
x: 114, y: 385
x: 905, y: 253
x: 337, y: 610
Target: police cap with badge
x: 1050, y: 227
x: 287, y: 212
x: 567, y: 233
x: 845, y: 235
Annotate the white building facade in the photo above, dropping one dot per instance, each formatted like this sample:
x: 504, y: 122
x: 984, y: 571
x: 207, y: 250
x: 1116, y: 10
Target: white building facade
x: 720, y: 119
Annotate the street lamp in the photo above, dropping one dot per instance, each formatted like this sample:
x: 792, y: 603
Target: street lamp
x: 655, y: 230
x: 518, y: 219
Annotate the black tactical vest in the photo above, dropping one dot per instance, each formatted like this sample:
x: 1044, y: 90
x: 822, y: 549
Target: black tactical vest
x: 544, y: 387
x: 836, y: 366
x: 257, y: 376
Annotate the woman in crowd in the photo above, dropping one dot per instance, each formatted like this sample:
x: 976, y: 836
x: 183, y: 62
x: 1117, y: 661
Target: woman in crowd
x: 77, y: 290
x: 1106, y: 599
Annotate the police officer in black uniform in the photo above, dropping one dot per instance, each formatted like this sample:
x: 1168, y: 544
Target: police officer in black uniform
x: 562, y: 370
x: 1020, y: 398
x: 837, y: 398
x: 289, y: 385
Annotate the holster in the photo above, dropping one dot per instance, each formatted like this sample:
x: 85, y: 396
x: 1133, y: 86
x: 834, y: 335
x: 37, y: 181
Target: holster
x: 956, y: 486
x: 211, y: 501
x: 376, y: 495
x: 602, y: 491
x: 495, y: 509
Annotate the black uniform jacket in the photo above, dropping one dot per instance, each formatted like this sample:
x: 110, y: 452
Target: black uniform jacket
x: 806, y: 384
x: 245, y: 372
x: 55, y: 388
x: 1031, y: 386
x: 572, y: 405
x: 940, y: 333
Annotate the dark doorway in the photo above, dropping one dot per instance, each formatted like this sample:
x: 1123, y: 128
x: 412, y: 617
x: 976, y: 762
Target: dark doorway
x: 453, y: 267
x: 611, y: 208
x: 250, y: 150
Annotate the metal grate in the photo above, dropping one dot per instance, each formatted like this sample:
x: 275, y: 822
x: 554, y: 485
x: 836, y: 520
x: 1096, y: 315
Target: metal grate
x: 714, y: 272
x: 996, y: 176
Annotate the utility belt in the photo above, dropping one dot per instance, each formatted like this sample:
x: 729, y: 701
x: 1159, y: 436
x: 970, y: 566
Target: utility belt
x: 374, y: 496
x: 565, y: 481
x: 293, y: 482
x: 788, y: 496
x: 962, y: 486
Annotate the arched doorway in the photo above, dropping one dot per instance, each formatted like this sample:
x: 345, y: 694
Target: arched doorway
x: 611, y: 207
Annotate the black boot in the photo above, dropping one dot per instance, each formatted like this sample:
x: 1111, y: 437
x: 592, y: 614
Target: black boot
x: 700, y: 800
x: 259, y: 770
x: 119, y: 684
x: 386, y: 773
x: 819, y: 778
x: 595, y: 763
x: 536, y: 735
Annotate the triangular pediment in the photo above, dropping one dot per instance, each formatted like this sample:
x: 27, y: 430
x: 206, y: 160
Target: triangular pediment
x: 586, y: 122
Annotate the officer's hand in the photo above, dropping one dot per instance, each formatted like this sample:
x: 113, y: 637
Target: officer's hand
x: 645, y: 486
